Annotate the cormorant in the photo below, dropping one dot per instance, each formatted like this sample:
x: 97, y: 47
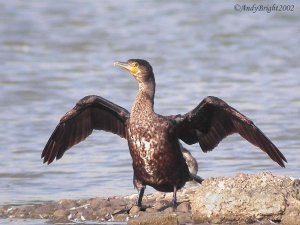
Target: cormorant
x: 153, y: 139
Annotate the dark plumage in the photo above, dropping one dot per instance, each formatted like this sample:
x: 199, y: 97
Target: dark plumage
x: 153, y: 139
x: 190, y: 160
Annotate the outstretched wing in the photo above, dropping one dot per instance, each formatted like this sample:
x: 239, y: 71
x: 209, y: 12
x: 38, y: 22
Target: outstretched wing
x: 91, y: 112
x: 213, y: 119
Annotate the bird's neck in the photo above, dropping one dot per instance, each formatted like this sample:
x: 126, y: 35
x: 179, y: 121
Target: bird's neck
x: 145, y: 99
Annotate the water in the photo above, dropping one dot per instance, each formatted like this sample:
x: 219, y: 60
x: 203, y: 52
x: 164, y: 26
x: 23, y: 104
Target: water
x: 21, y: 221
x: 53, y: 54
x: 38, y: 222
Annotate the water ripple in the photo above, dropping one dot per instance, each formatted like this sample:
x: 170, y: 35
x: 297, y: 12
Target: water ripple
x: 54, y: 54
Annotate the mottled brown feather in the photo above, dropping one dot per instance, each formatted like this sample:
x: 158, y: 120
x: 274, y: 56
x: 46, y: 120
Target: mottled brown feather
x: 213, y: 120
x: 91, y: 112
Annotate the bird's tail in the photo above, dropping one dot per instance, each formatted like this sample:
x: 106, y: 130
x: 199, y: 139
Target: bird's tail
x: 196, y: 178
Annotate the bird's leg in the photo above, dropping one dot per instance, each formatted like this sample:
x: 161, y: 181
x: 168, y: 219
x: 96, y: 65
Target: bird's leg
x: 140, y: 197
x: 174, y: 200
x: 141, y: 189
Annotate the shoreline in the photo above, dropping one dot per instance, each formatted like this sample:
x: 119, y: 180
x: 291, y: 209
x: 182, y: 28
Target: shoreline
x: 260, y: 198
x: 106, y: 209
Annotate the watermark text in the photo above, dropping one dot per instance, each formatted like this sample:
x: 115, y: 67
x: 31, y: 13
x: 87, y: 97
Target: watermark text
x: 254, y: 8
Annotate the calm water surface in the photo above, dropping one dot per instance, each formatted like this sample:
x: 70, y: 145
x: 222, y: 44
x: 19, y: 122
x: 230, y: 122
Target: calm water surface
x: 53, y: 54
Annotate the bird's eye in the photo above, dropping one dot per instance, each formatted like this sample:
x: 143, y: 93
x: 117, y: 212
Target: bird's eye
x: 134, y: 64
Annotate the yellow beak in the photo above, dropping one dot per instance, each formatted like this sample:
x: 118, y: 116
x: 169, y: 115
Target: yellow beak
x: 131, y: 68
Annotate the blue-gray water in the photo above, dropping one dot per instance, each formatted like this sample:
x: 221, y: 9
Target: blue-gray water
x: 54, y: 53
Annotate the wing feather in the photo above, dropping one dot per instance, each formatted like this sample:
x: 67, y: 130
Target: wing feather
x: 91, y: 112
x: 213, y: 120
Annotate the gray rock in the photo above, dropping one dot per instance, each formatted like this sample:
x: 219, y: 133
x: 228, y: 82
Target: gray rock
x: 151, y: 210
x: 159, y: 206
x: 244, y: 198
x: 67, y: 203
x: 3, y: 211
x: 184, y: 218
x: 292, y: 213
x: 155, y: 219
x: 121, y: 217
x: 183, y: 207
x: 60, y: 213
x: 95, y: 203
x: 104, y: 212
x: 44, y: 211
x: 169, y: 210
x: 22, y: 212
x: 134, y: 210
x: 259, y: 199
x: 88, y: 214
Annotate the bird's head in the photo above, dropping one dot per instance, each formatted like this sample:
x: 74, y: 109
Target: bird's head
x: 139, y: 68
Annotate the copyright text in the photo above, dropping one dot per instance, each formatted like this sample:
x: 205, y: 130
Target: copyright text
x: 254, y: 8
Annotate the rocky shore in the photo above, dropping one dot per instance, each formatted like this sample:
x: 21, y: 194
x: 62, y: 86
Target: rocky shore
x: 245, y: 199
